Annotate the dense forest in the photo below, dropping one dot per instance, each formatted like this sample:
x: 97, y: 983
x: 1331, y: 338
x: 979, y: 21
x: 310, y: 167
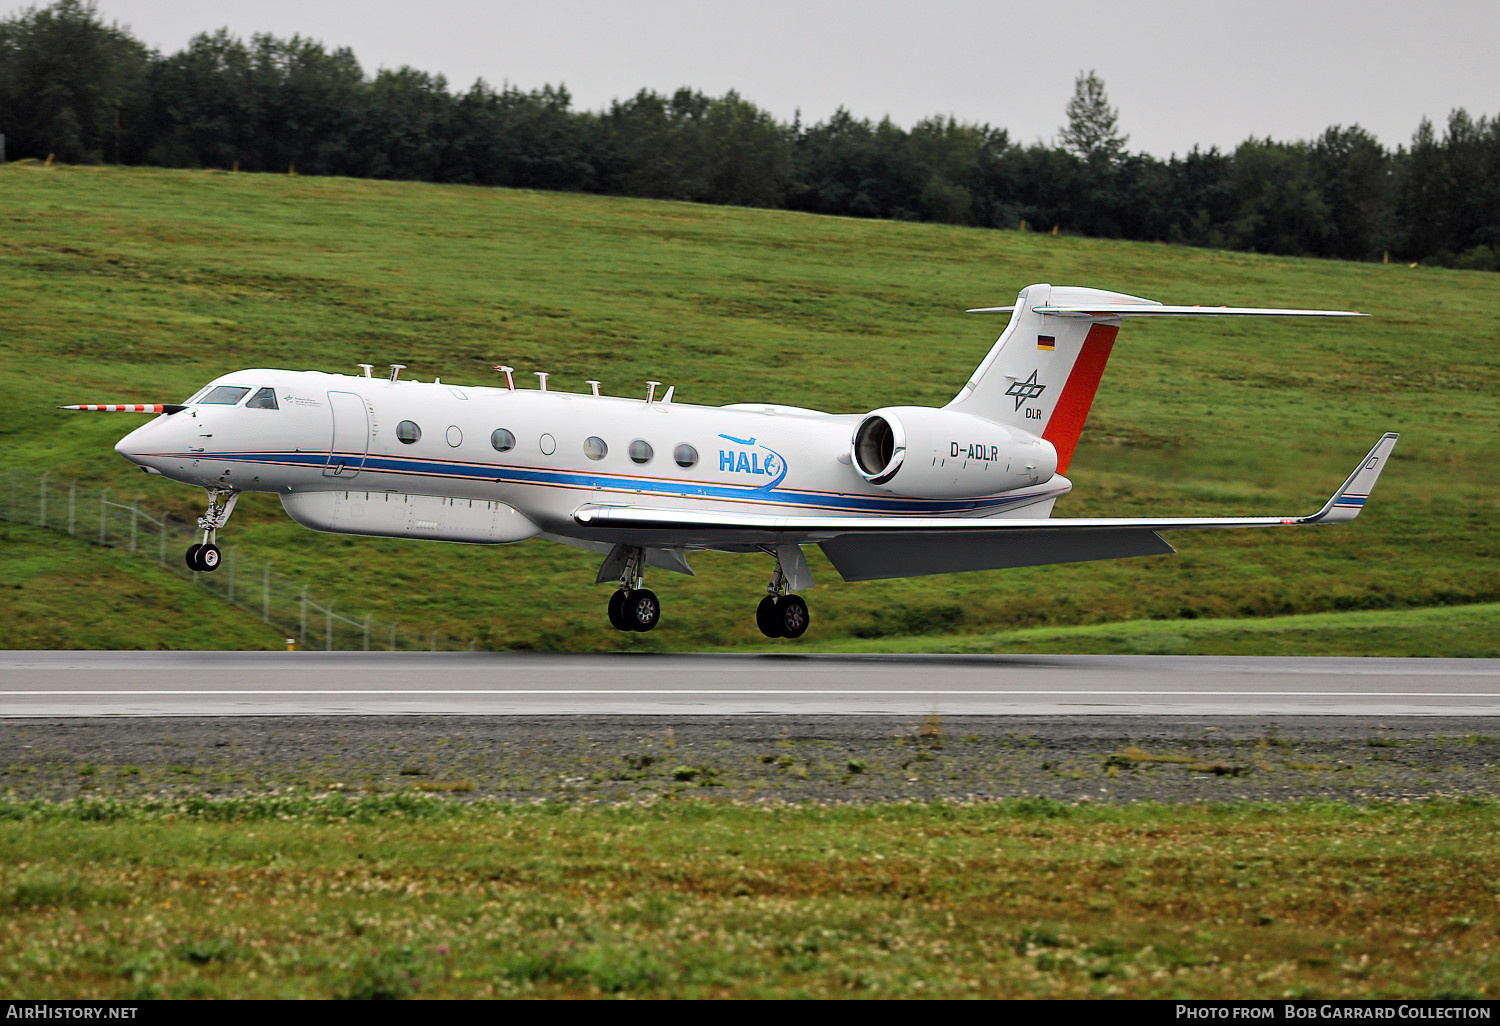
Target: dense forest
x: 78, y: 90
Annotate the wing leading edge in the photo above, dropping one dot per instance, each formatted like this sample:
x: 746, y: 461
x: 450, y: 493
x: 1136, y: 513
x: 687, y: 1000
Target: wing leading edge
x: 870, y: 548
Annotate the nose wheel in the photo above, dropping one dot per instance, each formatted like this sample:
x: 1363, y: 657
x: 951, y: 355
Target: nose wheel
x: 204, y: 555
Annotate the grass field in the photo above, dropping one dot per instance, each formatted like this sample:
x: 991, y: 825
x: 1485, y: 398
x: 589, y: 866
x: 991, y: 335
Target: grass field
x: 289, y: 896
x: 138, y: 285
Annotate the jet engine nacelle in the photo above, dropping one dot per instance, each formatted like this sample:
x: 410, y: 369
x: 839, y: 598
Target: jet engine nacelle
x: 922, y: 452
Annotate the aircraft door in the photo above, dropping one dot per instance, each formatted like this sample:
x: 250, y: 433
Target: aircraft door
x: 351, y: 435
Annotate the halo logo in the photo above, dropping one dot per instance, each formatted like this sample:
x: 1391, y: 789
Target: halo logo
x: 754, y: 461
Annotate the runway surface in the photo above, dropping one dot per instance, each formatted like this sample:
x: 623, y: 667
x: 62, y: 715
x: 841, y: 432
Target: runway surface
x: 65, y: 684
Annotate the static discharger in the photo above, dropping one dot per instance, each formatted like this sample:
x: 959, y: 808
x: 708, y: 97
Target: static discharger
x: 541, y: 377
x: 396, y: 369
x: 510, y: 382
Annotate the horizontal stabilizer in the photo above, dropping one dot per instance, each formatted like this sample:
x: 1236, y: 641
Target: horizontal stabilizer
x: 1147, y: 309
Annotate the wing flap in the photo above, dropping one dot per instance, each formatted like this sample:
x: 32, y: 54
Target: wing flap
x: 871, y: 557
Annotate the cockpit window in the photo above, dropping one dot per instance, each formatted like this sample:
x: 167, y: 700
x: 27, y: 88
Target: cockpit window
x: 265, y: 399
x: 224, y: 395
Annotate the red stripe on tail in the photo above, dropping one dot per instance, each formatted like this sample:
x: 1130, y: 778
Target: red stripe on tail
x: 1078, y: 394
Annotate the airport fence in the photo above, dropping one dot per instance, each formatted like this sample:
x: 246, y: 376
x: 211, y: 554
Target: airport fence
x: 102, y: 517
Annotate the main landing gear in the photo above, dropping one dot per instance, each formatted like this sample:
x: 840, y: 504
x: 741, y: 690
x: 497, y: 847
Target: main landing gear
x: 205, y: 555
x: 781, y: 614
x: 632, y: 607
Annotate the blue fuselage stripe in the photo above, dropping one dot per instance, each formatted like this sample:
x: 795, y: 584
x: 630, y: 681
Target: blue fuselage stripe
x: 651, y: 486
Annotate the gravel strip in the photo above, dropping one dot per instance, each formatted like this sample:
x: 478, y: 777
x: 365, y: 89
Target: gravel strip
x: 1111, y: 759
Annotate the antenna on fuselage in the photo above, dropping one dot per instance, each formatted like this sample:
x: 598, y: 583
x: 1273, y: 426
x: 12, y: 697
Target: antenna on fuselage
x: 396, y: 369
x: 651, y: 391
x: 593, y: 385
x: 510, y: 382
x: 542, y: 377
x: 367, y: 368
x: 668, y: 397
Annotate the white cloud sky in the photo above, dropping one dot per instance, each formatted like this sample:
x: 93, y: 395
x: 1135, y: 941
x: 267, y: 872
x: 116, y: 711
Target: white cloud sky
x: 1181, y: 72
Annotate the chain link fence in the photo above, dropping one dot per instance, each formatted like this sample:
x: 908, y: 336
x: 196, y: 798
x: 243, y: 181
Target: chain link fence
x: 104, y: 518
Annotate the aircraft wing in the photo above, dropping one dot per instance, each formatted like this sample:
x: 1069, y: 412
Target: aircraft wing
x: 870, y: 548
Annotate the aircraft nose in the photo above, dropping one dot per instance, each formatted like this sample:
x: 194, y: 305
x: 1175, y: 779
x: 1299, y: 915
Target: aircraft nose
x: 143, y: 447
x: 129, y: 446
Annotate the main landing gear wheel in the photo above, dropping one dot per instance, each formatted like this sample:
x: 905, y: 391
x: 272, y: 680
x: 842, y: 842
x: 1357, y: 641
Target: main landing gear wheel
x: 768, y: 616
x: 794, y: 617
x: 192, y: 555
x: 634, y: 609
x: 642, y: 610
x: 782, y: 616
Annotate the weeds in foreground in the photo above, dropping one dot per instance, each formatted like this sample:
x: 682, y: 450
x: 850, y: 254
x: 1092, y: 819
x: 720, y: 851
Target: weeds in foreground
x: 417, y: 895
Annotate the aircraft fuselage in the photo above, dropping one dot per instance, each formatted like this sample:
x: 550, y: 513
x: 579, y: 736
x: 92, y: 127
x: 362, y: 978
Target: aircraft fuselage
x: 366, y: 455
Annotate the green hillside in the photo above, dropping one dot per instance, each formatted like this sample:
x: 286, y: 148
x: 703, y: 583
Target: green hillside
x: 138, y: 285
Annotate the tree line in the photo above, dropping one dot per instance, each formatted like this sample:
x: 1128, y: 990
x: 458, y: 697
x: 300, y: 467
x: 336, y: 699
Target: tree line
x: 82, y: 91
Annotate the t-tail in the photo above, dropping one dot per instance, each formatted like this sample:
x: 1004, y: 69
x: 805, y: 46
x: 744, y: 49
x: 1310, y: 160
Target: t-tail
x: 1042, y: 373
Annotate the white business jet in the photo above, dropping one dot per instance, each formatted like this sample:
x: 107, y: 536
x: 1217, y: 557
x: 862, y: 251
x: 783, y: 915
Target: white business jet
x: 898, y: 492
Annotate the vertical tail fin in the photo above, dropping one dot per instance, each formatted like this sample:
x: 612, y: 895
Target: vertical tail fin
x: 1043, y: 371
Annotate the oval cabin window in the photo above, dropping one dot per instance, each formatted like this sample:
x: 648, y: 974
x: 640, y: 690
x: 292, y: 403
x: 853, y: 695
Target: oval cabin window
x: 407, y: 432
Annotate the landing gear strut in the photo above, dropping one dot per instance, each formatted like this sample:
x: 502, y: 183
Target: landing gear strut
x: 781, y: 614
x: 632, y: 607
x: 205, y: 555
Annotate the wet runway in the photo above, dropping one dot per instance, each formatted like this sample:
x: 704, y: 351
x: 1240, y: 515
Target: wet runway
x: 63, y: 684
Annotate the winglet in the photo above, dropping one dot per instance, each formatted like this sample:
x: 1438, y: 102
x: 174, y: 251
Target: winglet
x: 1350, y: 499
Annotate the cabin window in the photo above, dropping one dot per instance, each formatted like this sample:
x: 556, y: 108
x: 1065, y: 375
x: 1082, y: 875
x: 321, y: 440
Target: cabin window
x: 685, y: 455
x: 265, y: 399
x: 407, y: 432
x: 224, y: 395
x: 502, y: 440
x: 594, y: 447
x: 640, y: 452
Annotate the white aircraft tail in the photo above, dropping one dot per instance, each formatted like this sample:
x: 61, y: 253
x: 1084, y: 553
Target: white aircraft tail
x: 1041, y: 374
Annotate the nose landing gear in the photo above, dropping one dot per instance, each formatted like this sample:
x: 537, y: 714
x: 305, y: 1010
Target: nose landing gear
x: 204, y: 555
x: 781, y: 614
x: 632, y: 607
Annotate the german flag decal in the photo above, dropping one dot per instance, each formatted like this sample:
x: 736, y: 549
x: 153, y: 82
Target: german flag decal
x: 1047, y: 342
